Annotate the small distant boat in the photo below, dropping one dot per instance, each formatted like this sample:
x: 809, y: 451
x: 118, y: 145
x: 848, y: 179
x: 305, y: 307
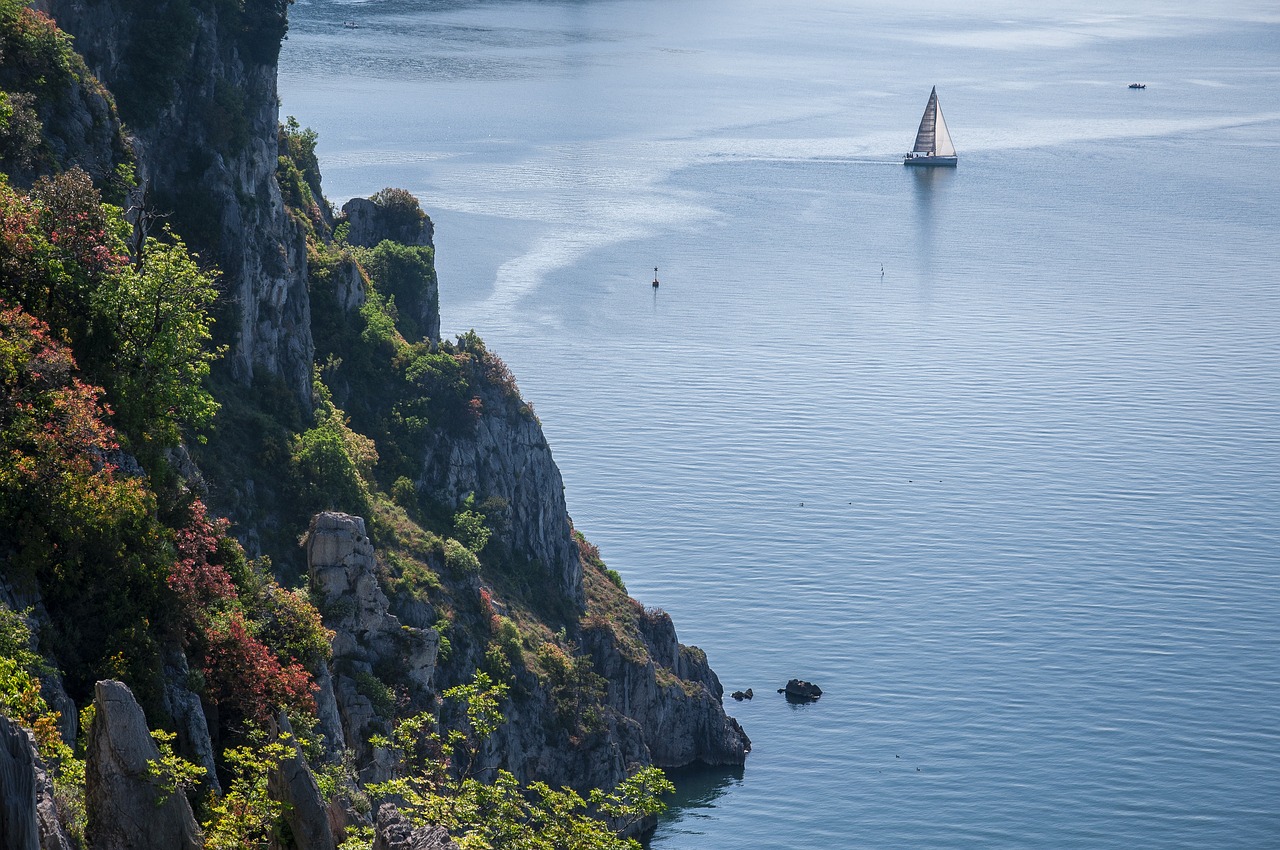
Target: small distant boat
x: 1137, y: 85
x: 933, y: 141
x: 351, y: 25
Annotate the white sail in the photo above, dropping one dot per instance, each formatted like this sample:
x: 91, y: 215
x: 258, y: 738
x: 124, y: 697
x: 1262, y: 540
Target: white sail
x: 942, y: 138
x: 925, y: 136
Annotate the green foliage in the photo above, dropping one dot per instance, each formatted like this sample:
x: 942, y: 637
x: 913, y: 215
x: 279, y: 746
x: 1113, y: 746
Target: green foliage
x: 35, y: 51
x: 413, y: 578
x: 469, y: 526
x: 437, y: 783
x: 162, y: 352
x: 22, y: 700
x: 379, y: 694
x: 298, y: 173
x: 399, y: 208
x: 460, y: 560
x: 331, y: 462
x: 20, y: 130
x: 380, y: 314
x: 171, y: 773
x: 80, y: 518
x: 406, y: 273
x: 141, y: 330
x: 246, y: 816
x: 577, y: 691
x: 357, y: 837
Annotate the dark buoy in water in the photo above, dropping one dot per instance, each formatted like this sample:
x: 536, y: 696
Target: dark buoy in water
x: 655, y: 277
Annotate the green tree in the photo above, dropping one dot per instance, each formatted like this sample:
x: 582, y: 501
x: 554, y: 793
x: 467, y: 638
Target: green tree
x: 162, y: 356
x: 246, y: 816
x: 440, y: 784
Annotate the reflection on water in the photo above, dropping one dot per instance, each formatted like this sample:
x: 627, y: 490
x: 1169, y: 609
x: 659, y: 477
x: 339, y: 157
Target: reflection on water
x: 698, y: 787
x: 929, y: 184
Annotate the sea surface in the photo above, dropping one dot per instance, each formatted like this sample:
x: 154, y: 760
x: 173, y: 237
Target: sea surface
x: 991, y: 454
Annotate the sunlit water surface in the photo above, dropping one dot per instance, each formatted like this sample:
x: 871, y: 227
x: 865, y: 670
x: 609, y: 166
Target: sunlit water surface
x: 990, y: 454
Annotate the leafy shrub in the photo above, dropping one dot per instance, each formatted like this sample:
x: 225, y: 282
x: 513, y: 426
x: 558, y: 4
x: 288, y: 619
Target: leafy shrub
x: 400, y: 209
x: 243, y: 673
x: 437, y: 782
x: 460, y: 560
x: 469, y: 526
x: 577, y: 691
x: 407, y: 275
x: 331, y: 463
x: 379, y: 694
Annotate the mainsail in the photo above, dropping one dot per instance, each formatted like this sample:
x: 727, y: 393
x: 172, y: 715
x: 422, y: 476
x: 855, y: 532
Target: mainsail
x: 932, y: 137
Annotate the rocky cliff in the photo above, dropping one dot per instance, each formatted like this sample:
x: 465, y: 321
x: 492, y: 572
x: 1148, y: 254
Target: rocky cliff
x: 28, y: 814
x: 196, y: 85
x: 439, y: 542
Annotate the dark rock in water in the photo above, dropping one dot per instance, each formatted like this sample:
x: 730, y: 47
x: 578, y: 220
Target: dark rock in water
x: 741, y: 695
x: 394, y: 832
x: 798, y: 690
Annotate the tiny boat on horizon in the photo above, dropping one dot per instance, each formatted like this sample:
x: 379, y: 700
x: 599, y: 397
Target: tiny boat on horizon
x: 1137, y: 85
x: 933, y: 140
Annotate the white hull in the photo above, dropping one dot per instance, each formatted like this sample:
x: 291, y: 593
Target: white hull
x: 929, y: 160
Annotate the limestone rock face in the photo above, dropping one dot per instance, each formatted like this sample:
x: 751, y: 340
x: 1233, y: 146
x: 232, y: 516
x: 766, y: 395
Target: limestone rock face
x: 125, y: 809
x: 207, y: 149
x: 28, y: 815
x: 341, y: 563
x: 370, y: 224
x: 394, y: 832
x: 507, y: 457
x: 674, y: 697
x: 293, y: 784
x: 187, y: 711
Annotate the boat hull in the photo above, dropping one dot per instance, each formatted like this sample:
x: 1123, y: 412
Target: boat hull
x: 930, y: 160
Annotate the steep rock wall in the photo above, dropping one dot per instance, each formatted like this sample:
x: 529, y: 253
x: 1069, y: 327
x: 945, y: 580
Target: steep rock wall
x: 28, y: 816
x: 507, y: 457
x: 205, y: 125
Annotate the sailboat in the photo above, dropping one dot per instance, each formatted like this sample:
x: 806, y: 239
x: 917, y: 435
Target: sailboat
x: 933, y: 142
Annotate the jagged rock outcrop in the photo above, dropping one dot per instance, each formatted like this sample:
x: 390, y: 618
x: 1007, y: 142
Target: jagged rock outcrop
x: 366, y: 634
x: 184, y: 707
x: 394, y: 832
x: 28, y: 815
x: 67, y: 118
x: 204, y: 113
x: 370, y: 223
x: 293, y: 784
x: 126, y: 811
x: 673, y: 696
x: 507, y: 458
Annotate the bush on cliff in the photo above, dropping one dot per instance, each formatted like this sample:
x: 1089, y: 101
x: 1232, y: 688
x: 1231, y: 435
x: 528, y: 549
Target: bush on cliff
x: 438, y: 782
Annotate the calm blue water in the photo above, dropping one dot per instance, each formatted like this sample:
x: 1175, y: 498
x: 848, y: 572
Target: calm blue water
x: 1014, y: 503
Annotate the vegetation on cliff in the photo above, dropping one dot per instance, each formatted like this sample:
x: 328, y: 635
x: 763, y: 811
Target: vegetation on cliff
x: 127, y: 434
